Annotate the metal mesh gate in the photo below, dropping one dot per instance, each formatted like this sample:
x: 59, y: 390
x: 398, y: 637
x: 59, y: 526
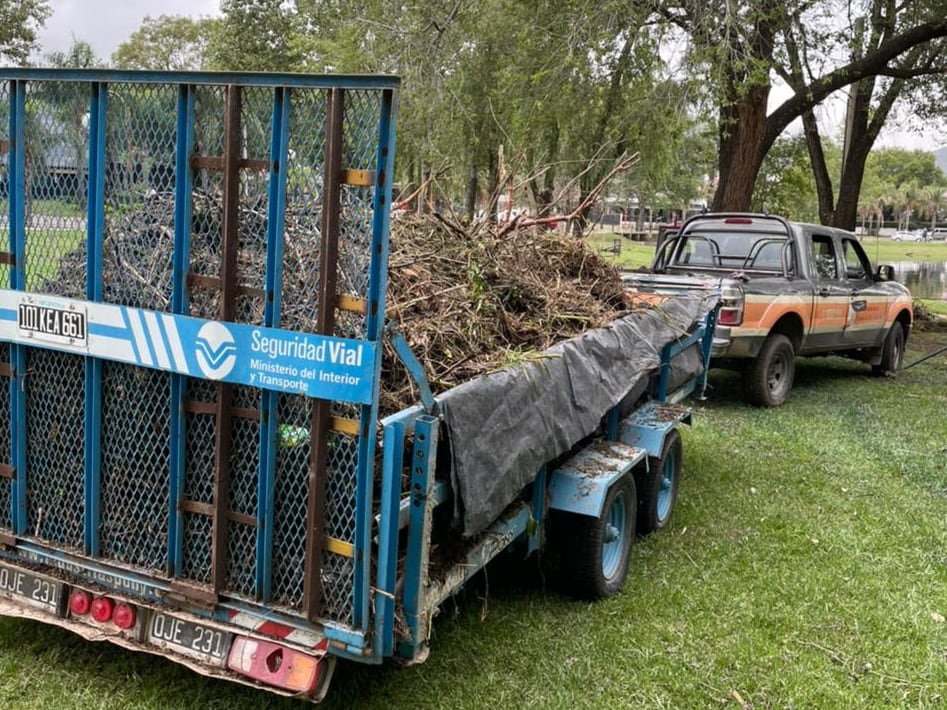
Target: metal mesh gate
x: 238, y: 200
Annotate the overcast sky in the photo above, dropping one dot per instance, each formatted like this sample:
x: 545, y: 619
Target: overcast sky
x: 105, y: 24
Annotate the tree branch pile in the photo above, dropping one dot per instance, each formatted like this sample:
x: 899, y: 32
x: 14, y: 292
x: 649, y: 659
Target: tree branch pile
x: 473, y: 300
x: 469, y: 299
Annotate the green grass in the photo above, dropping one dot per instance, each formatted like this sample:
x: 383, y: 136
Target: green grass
x: 938, y: 307
x: 45, y: 248
x: 631, y: 255
x: 55, y: 208
x: 806, y: 567
x: 880, y: 250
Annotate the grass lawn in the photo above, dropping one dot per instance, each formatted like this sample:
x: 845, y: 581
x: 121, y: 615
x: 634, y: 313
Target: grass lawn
x: 631, y: 255
x: 56, y: 208
x: 881, y: 250
x: 806, y: 567
x: 45, y: 247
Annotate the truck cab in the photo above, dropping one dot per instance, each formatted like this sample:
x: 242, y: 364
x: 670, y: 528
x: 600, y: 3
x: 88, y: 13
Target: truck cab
x: 789, y: 289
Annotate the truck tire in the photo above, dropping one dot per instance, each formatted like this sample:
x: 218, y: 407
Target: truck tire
x: 596, y: 558
x: 892, y: 352
x: 657, y: 487
x: 768, y: 379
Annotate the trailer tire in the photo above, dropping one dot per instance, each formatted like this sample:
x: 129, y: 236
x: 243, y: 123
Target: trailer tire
x: 892, y: 352
x: 596, y: 558
x: 657, y: 487
x: 768, y: 379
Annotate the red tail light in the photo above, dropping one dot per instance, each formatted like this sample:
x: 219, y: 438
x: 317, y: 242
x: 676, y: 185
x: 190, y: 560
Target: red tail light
x: 124, y: 616
x: 80, y: 602
x: 102, y: 608
x: 275, y: 665
x: 732, y: 299
x: 730, y: 316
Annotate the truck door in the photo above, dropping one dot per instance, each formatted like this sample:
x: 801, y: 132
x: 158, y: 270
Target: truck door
x: 830, y: 309
x: 868, y: 301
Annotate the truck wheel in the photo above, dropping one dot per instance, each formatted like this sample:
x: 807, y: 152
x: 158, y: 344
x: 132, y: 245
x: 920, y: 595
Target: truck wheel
x: 892, y: 352
x: 595, y: 563
x: 657, y: 487
x: 768, y: 379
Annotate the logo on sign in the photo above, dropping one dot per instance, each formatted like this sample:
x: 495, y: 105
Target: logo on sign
x: 216, y: 351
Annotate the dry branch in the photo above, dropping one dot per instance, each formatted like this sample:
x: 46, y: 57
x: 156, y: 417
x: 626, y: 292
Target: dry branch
x: 469, y: 298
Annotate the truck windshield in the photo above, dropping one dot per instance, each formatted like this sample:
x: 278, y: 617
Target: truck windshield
x: 731, y: 251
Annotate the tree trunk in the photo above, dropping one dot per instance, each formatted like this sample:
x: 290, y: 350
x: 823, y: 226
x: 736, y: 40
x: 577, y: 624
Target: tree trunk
x: 742, y: 131
x: 823, y: 182
x: 853, y: 172
x: 470, y: 201
x: 493, y: 185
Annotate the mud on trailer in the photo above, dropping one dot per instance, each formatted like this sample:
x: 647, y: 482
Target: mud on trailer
x: 192, y: 462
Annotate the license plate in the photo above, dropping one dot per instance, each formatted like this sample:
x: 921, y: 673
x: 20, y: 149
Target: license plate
x: 204, y: 643
x: 53, y: 322
x: 33, y: 589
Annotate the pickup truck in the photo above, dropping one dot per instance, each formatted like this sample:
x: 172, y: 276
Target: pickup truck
x: 787, y: 289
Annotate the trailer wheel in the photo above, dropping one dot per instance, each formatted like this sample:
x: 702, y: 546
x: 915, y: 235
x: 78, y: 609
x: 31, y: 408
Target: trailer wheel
x: 892, y: 352
x: 596, y: 562
x: 768, y: 378
x: 657, y: 487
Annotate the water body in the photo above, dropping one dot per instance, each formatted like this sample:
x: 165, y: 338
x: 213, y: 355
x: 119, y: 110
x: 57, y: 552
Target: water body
x: 926, y: 279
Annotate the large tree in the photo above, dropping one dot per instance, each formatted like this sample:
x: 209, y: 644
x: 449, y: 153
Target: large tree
x: 20, y: 20
x: 870, y: 101
x: 560, y: 89
x: 256, y: 35
x: 167, y: 43
x: 743, y: 48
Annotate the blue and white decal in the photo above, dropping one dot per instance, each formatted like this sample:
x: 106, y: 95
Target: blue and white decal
x: 216, y: 350
x: 285, y: 361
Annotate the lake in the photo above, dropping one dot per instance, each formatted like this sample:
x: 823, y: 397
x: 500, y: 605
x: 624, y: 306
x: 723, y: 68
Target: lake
x: 925, y: 279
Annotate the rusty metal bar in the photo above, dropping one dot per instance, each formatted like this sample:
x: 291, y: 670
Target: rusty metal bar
x: 211, y: 162
x: 213, y: 283
x: 189, y: 592
x: 319, y: 430
x: 194, y: 407
x: 209, y: 283
x: 192, y: 506
x: 226, y: 312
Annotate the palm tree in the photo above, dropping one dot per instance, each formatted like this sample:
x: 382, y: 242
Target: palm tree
x: 931, y: 197
x: 866, y: 211
x: 887, y: 198
x: 906, y: 203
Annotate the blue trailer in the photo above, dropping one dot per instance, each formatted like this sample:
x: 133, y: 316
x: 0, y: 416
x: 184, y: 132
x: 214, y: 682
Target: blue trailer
x: 186, y: 472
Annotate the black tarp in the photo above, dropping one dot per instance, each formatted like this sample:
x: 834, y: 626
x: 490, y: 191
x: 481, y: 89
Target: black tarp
x: 503, y: 426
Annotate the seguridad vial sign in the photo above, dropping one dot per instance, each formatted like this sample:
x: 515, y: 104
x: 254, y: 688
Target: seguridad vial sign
x: 320, y: 366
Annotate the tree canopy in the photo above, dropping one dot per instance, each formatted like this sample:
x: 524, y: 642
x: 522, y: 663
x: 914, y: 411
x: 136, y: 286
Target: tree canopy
x: 257, y: 35
x: 537, y: 99
x: 167, y: 43
x: 20, y: 20
x: 816, y: 48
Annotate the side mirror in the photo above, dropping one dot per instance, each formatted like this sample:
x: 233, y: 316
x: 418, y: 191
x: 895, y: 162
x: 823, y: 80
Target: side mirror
x: 884, y: 272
